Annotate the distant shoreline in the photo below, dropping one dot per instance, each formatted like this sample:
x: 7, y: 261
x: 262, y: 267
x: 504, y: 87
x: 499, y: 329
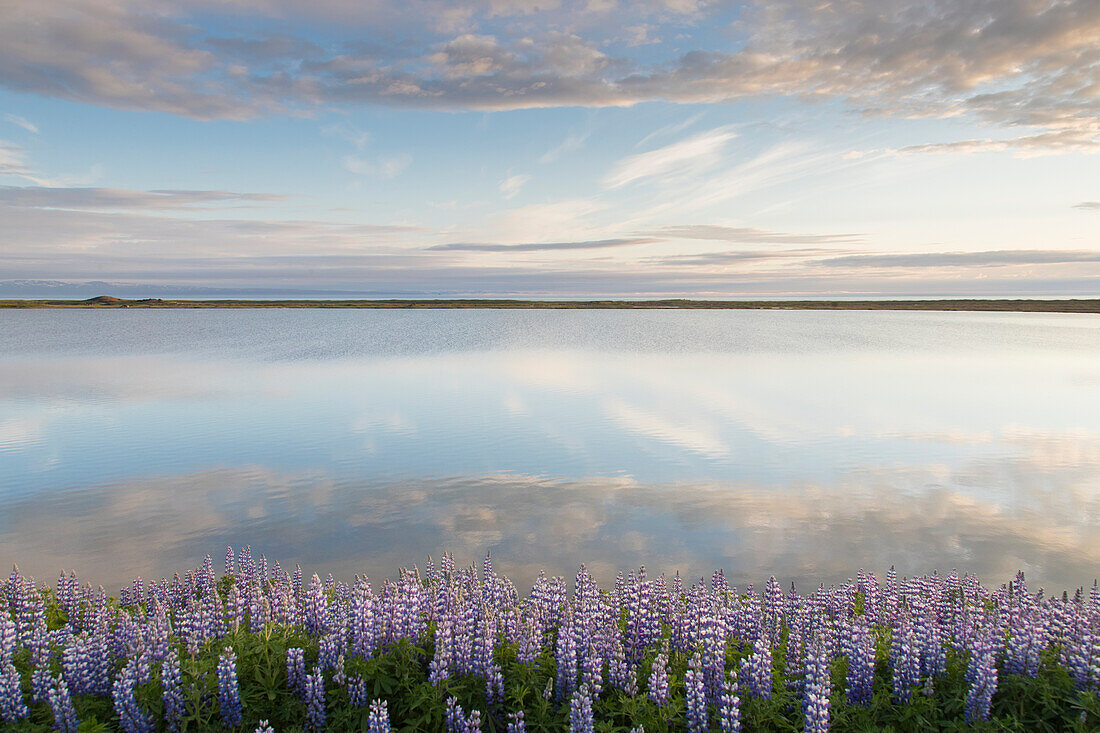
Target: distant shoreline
x: 1091, y: 305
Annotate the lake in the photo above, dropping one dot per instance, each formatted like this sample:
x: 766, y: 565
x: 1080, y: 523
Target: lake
x: 796, y: 443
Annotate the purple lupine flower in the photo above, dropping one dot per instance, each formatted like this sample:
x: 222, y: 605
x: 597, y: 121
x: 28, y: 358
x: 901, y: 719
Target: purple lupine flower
x: 695, y: 695
x: 357, y: 691
x: 12, y: 705
x: 454, y: 717
x: 264, y: 727
x: 756, y: 672
x: 657, y: 689
x: 379, y: 720
x: 982, y: 675
x: 229, y: 693
x: 170, y: 682
x: 729, y: 709
x: 61, y: 704
x: 566, y: 656
x: 905, y: 663
x: 580, y: 712
x: 516, y: 723
x: 860, y: 650
x: 315, y: 699
x: 473, y: 722
x: 296, y: 670
x: 494, y: 686
x: 815, y: 695
x: 131, y: 718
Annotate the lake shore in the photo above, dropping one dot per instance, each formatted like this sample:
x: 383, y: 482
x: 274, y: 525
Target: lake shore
x: 1091, y: 305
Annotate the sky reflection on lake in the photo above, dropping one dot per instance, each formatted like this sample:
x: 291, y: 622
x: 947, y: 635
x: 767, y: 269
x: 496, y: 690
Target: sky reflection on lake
x: 796, y: 443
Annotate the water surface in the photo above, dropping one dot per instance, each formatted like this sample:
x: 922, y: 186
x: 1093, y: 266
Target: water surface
x: 796, y: 443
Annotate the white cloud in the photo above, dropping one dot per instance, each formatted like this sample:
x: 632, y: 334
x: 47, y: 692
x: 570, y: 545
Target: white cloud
x: 511, y: 185
x: 381, y: 167
x: 686, y: 158
x: 22, y: 122
x: 574, y: 141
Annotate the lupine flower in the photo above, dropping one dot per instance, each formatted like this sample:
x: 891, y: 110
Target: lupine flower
x: 379, y: 720
x: 695, y: 695
x: 516, y: 723
x: 296, y: 670
x: 580, y: 712
x: 860, y: 650
x: 658, y: 690
x: 229, y: 694
x: 12, y: 706
x: 61, y: 704
x: 815, y: 696
x: 315, y: 699
x: 729, y: 709
x: 982, y: 676
x: 173, y: 691
x: 756, y: 672
x: 264, y: 727
x: 357, y: 691
x: 131, y: 718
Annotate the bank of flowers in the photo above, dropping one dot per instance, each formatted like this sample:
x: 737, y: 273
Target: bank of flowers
x: 461, y: 649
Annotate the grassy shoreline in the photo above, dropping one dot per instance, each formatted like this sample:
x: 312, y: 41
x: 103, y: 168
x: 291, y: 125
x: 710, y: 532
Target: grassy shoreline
x: 1083, y: 305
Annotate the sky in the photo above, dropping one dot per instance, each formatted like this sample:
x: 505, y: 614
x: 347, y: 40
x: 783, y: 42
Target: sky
x: 550, y: 148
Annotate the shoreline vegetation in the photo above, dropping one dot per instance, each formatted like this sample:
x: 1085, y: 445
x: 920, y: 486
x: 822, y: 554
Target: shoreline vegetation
x: 1074, y: 305
x: 462, y: 650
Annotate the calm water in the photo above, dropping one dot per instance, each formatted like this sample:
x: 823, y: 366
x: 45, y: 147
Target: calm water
x: 796, y: 443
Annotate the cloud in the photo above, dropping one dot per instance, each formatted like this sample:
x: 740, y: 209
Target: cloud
x: 994, y: 258
x: 117, y: 198
x: 22, y: 122
x: 511, y: 185
x: 1009, y: 63
x: 686, y: 158
x: 1088, y: 205
x: 387, y: 166
x: 574, y: 141
x: 544, y: 246
x: 752, y: 235
x: 13, y: 161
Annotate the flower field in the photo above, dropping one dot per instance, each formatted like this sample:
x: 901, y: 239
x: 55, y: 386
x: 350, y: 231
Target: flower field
x: 462, y: 649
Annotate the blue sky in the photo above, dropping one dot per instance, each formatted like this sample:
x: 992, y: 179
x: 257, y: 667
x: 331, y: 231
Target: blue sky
x: 552, y: 149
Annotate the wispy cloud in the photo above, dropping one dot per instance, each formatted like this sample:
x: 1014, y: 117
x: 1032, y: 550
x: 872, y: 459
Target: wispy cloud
x: 966, y: 259
x: 686, y: 158
x: 117, y: 198
x: 384, y: 166
x: 751, y: 235
x: 544, y: 246
x: 22, y: 122
x: 1088, y: 205
x: 573, y: 141
x: 511, y: 185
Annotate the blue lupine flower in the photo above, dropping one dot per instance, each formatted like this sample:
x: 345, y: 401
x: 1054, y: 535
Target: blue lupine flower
x: 61, y: 704
x: 173, y: 691
x: 516, y: 723
x: 815, y: 696
x: 296, y: 670
x: 315, y: 699
x: 12, y: 705
x: 658, y: 690
x: 695, y: 696
x: 729, y: 709
x: 229, y: 693
x: 379, y: 719
x: 131, y: 718
x: 580, y: 712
